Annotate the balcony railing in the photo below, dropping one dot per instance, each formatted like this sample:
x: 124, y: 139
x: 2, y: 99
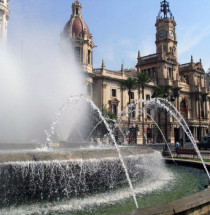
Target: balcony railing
x: 148, y: 57
x: 184, y: 65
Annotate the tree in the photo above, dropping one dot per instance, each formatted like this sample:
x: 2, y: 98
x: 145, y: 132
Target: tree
x: 158, y: 92
x: 142, y: 78
x: 108, y: 114
x: 129, y: 85
x: 95, y: 127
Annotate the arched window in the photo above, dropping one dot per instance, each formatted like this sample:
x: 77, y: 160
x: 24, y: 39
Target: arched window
x: 89, y: 57
x: 184, y: 106
x: 77, y: 53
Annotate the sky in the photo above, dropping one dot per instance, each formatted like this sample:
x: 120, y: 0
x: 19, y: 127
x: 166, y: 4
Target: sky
x: 119, y: 27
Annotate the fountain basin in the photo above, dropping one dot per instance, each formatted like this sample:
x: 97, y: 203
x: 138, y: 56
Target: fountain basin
x: 71, y: 154
x: 94, y: 185
x: 37, y: 176
x: 198, y: 203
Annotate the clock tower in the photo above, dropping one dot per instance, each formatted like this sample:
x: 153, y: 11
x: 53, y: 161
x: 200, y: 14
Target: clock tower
x: 166, y: 32
x: 166, y: 46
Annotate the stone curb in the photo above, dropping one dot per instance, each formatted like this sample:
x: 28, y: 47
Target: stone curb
x: 195, y: 204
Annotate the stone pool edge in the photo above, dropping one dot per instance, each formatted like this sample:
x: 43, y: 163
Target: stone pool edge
x: 196, y: 204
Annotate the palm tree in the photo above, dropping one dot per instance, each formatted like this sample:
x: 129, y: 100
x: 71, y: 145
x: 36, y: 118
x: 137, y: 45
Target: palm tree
x: 159, y: 92
x: 142, y: 78
x: 129, y: 84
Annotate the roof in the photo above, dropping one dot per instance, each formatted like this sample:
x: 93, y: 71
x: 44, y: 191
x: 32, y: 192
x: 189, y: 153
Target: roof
x: 76, y: 27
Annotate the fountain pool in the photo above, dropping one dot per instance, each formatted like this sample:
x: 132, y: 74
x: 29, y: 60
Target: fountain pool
x: 91, y: 181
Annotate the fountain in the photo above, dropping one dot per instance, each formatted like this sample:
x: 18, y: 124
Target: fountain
x: 87, y: 179
x: 70, y: 178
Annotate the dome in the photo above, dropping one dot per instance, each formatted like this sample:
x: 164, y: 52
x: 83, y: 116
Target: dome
x: 76, y: 27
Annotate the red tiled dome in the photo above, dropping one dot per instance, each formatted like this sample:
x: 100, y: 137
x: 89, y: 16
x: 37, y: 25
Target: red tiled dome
x: 78, y: 28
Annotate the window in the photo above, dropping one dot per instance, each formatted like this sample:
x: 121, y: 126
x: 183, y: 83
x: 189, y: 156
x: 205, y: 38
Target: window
x: 114, y: 109
x: 77, y: 11
x: 77, y: 53
x: 148, y: 113
x: 147, y: 97
x: 114, y: 93
x: 89, y: 57
x: 132, y: 95
x: 170, y: 72
x: 133, y: 111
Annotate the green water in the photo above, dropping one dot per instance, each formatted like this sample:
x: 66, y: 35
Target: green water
x: 186, y: 182
x: 179, y: 182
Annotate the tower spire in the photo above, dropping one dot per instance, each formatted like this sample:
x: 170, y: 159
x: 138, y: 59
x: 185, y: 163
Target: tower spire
x: 165, y: 10
x: 103, y: 64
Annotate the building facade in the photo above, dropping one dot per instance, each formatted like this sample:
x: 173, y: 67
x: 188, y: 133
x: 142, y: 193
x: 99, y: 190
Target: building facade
x: 186, y: 83
x: 4, y: 16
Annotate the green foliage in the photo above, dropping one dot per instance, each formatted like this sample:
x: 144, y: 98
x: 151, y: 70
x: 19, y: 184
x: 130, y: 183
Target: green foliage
x: 108, y: 114
x: 95, y: 122
x: 142, y: 78
x: 128, y: 84
x: 158, y: 92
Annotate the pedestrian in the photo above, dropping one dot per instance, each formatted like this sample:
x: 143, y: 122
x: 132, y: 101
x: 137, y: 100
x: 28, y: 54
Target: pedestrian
x: 177, y: 144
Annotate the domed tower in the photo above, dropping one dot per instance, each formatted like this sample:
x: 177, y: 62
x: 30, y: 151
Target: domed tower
x: 77, y: 32
x: 166, y: 44
x: 4, y: 16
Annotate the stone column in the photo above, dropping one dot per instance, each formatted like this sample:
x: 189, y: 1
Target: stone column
x: 122, y: 100
x: 197, y: 109
x: 104, y: 95
x: 193, y: 132
x: 172, y: 137
x: 196, y: 133
x: 206, y: 110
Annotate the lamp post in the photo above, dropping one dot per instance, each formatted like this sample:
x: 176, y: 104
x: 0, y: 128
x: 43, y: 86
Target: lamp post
x: 199, y: 115
x: 136, y: 130
x: 165, y: 150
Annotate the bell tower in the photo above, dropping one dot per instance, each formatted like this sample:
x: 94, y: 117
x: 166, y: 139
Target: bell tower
x: 166, y: 32
x: 166, y: 46
x: 4, y: 16
x: 77, y: 33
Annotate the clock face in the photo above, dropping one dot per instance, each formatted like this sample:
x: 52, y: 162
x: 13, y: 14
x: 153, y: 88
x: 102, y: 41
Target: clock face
x: 162, y: 33
x: 171, y: 33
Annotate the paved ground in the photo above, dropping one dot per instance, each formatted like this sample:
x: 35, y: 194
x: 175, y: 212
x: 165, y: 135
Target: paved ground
x: 204, y: 153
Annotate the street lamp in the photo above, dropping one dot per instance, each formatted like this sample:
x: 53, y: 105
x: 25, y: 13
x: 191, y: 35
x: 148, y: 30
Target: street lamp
x: 137, y: 130
x: 199, y: 115
x: 172, y: 99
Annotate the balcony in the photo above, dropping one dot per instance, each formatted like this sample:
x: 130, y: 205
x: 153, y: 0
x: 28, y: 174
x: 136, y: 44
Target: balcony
x: 168, y: 82
x: 204, y: 90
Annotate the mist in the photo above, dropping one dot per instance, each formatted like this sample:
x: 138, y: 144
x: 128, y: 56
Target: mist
x: 35, y: 80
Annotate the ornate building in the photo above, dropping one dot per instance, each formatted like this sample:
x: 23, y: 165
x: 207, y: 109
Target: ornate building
x: 184, y: 83
x: 77, y: 33
x: 4, y: 16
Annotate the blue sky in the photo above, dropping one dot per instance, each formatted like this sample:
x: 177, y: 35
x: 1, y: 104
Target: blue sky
x: 120, y: 27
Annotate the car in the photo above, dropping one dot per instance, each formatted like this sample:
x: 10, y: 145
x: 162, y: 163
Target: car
x: 205, y: 143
